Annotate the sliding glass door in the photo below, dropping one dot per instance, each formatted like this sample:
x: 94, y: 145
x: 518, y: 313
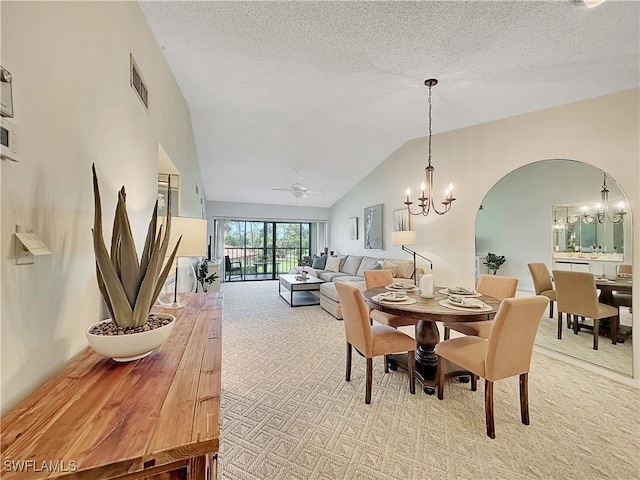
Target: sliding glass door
x: 265, y: 249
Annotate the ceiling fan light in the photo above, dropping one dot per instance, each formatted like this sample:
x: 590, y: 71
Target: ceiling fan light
x: 588, y: 3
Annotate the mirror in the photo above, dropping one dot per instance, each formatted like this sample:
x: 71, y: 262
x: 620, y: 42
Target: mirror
x: 547, y: 226
x: 575, y: 236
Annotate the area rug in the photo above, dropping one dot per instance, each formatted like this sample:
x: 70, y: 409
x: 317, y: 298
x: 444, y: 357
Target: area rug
x: 287, y: 412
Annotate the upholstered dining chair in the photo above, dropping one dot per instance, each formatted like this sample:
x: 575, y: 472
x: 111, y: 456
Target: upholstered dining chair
x: 506, y: 353
x: 622, y: 299
x: 371, y: 341
x: 495, y: 286
x: 578, y: 297
x: 382, y: 278
x: 542, y: 283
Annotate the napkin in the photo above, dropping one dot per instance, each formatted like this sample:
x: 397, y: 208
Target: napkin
x: 460, y: 290
x: 401, y: 285
x: 466, y: 302
x: 392, y: 296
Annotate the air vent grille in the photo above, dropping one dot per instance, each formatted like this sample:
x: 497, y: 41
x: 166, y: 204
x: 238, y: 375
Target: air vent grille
x: 138, y: 84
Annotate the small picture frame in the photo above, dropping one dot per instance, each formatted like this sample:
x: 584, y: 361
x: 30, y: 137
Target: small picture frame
x: 6, y: 93
x: 353, y: 228
x: 401, y: 220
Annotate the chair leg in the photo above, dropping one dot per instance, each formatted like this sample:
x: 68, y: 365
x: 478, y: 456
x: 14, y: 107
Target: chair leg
x: 551, y: 309
x: 347, y: 375
x: 474, y: 382
x: 367, y: 395
x: 596, y: 333
x: 524, y: 398
x: 386, y: 364
x: 560, y: 324
x: 614, y: 328
x: 411, y: 361
x: 440, y: 369
x: 488, y: 408
x: 447, y: 333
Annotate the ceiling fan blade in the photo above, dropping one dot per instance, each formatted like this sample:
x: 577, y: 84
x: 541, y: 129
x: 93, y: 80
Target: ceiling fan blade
x: 314, y: 191
x: 282, y: 189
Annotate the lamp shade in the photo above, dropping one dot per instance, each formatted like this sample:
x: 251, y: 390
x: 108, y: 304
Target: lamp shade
x: 407, y: 237
x: 194, y: 236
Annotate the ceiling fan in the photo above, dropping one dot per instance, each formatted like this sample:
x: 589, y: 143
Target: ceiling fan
x: 297, y: 190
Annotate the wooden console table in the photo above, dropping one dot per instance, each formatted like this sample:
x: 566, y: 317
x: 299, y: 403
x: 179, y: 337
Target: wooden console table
x: 154, y: 418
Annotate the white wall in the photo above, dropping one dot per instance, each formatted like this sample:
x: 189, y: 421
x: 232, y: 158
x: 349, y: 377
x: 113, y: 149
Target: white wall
x: 604, y: 132
x: 74, y: 106
x: 520, y: 226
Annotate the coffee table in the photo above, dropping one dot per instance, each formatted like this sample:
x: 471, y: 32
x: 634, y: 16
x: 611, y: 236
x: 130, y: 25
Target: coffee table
x: 300, y: 290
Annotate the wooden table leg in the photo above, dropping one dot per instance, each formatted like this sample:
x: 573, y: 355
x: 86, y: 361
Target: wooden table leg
x: 426, y: 368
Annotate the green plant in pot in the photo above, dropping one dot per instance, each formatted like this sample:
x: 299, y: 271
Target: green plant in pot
x: 130, y: 285
x: 493, y: 262
x: 203, y: 277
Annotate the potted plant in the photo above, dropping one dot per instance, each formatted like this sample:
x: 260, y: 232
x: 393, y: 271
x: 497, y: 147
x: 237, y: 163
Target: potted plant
x: 202, y: 274
x: 130, y: 286
x: 493, y: 262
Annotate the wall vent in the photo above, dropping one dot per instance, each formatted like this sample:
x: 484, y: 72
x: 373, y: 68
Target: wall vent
x: 138, y: 84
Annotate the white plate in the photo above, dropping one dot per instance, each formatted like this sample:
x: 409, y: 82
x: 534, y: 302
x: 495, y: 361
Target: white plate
x: 412, y: 289
x: 446, y: 303
x: 445, y: 291
x: 603, y: 280
x: 405, y: 301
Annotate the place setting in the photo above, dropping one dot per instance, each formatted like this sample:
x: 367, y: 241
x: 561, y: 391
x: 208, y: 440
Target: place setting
x: 461, y: 291
x: 465, y: 303
x: 402, y: 287
x: 396, y: 298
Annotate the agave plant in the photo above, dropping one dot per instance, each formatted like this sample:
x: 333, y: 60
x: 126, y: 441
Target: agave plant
x: 130, y: 286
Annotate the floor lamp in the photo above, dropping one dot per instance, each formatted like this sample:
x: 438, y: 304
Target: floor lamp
x: 193, y: 244
x: 409, y: 237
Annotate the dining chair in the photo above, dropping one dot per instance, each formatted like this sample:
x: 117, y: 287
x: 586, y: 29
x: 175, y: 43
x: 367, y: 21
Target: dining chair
x: 382, y: 278
x: 232, y: 267
x: 506, y: 353
x: 578, y: 297
x: 542, y: 283
x: 622, y: 299
x: 495, y: 286
x: 371, y: 341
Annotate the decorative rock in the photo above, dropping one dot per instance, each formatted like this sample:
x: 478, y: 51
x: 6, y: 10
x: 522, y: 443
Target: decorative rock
x: 110, y: 328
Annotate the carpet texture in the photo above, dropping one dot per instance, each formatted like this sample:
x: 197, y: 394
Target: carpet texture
x: 287, y: 412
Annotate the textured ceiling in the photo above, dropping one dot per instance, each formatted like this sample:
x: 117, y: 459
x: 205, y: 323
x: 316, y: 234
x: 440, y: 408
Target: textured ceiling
x: 335, y: 87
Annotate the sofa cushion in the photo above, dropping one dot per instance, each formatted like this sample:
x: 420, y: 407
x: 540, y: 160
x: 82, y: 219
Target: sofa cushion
x: 319, y: 262
x: 328, y: 276
x: 351, y: 264
x: 333, y: 264
x: 348, y: 278
x: 368, y: 263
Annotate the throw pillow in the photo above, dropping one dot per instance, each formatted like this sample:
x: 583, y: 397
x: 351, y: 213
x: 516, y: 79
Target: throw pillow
x: 333, y: 264
x: 377, y: 266
x: 405, y: 269
x: 319, y: 262
x: 387, y: 265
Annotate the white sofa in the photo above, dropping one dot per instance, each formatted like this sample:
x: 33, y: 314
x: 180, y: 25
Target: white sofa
x: 351, y: 269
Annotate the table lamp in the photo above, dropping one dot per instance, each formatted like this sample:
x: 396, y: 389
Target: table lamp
x: 408, y: 237
x: 193, y: 244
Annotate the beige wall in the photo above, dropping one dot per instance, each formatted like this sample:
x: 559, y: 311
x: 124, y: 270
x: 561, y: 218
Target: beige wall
x: 604, y: 132
x: 74, y: 106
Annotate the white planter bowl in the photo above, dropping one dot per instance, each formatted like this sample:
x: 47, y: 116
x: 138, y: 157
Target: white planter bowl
x: 125, y: 348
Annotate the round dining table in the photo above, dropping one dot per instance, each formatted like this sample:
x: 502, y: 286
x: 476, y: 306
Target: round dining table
x: 426, y: 312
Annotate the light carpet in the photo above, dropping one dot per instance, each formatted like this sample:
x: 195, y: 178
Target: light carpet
x: 287, y: 412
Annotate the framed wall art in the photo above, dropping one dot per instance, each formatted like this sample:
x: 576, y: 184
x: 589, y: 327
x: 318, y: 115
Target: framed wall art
x: 401, y: 222
x: 353, y: 228
x: 373, y: 233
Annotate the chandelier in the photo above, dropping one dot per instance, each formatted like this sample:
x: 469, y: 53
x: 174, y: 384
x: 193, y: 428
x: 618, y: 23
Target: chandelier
x: 602, y: 209
x: 426, y: 196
